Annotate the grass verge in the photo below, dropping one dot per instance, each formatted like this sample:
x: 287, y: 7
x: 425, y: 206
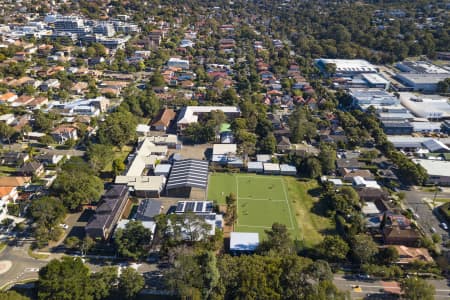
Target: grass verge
x: 37, y: 255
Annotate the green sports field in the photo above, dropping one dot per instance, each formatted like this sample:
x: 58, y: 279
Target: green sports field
x: 264, y: 200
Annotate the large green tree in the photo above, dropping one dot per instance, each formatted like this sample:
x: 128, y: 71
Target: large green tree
x: 333, y: 248
x: 67, y: 278
x: 48, y: 213
x: 133, y: 240
x: 76, y: 185
x: 99, y: 155
x: 415, y: 288
x: 119, y: 128
x: 130, y: 283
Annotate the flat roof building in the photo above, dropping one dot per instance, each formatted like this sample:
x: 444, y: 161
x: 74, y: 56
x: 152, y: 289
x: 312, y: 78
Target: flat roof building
x: 347, y: 67
x: 143, y: 186
x: 375, y: 97
x: 224, y: 153
x: 243, y: 242
x: 422, y: 82
x: 255, y: 167
x: 271, y: 168
x: 432, y: 107
x: 421, y: 67
x: 286, y: 169
x: 438, y: 171
x: 190, y: 114
x: 148, y: 209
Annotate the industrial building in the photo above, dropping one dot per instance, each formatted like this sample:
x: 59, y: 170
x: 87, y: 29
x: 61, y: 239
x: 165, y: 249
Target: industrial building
x: 421, y: 82
x: 346, y: 67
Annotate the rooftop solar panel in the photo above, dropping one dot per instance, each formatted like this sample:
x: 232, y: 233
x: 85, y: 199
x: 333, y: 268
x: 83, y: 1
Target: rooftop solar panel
x: 180, y: 206
x: 199, y: 207
x: 209, y: 207
x: 189, y: 206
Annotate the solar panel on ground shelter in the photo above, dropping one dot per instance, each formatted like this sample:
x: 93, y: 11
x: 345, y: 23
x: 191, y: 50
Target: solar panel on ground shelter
x: 199, y: 207
x: 180, y: 206
x: 189, y: 206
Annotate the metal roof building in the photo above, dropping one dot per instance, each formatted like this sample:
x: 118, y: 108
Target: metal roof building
x: 186, y: 175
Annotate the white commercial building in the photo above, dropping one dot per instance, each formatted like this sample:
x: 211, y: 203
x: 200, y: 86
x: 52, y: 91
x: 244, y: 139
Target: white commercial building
x: 347, y: 67
x: 438, y: 170
x: 422, y: 82
x: 189, y: 114
x: 432, y: 107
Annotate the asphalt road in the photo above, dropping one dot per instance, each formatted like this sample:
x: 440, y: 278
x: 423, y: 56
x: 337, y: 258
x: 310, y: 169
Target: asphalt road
x: 375, y: 288
x: 23, y: 266
x: 427, y: 218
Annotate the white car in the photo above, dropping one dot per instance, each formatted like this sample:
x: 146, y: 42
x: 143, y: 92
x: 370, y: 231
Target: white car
x: 64, y: 226
x: 444, y: 226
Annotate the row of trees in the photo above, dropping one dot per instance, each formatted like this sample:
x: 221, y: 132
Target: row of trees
x: 276, y: 272
x: 69, y: 278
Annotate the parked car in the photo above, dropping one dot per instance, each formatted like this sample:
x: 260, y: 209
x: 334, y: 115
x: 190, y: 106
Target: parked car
x: 433, y: 230
x: 444, y: 226
x: 64, y: 226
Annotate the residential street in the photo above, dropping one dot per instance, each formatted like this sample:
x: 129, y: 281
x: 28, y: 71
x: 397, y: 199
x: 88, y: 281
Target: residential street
x: 427, y: 218
x: 23, y: 267
x: 375, y: 288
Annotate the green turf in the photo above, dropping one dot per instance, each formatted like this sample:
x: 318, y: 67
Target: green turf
x: 221, y: 185
x: 263, y: 200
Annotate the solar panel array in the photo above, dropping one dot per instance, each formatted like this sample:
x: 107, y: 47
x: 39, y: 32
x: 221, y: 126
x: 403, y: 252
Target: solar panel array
x: 198, y: 207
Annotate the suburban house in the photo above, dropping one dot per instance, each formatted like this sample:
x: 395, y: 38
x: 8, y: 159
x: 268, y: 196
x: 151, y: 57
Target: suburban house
x: 32, y: 168
x: 108, y: 213
x: 16, y: 181
x: 410, y: 254
x: 162, y: 121
x: 49, y: 159
x: 13, y: 158
x: 397, y: 230
x: 7, y: 194
x: 64, y: 133
x: 284, y: 144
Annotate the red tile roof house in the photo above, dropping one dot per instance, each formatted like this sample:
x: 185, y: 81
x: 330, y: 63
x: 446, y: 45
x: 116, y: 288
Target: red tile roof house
x: 8, y: 97
x: 162, y: 121
x: 7, y: 194
x: 64, y: 133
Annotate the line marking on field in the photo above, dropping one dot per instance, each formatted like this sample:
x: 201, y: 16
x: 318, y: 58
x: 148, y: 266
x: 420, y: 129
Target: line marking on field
x: 289, y: 207
x: 237, y: 199
x: 266, y: 227
x: 263, y: 199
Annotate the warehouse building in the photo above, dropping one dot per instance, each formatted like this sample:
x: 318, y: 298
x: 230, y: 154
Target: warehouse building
x: 346, y: 67
x: 431, y: 107
x: 420, y: 82
x: 438, y: 171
